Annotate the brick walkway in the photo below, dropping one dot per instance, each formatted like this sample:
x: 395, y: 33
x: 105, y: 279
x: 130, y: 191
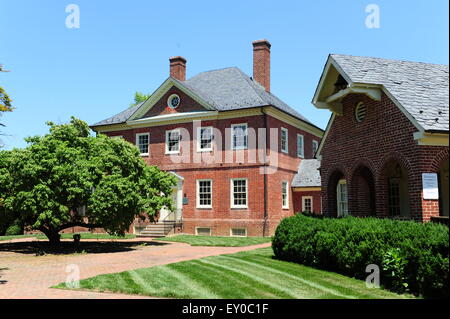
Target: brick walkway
x: 25, y: 275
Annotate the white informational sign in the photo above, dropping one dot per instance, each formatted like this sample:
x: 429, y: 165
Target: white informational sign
x: 430, y: 186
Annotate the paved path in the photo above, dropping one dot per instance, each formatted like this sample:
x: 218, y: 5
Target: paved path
x: 25, y: 275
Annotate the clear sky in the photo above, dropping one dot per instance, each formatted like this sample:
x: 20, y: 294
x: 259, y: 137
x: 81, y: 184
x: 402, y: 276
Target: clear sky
x: 123, y: 46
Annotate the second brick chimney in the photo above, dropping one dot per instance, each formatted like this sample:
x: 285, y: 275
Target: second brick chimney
x: 178, y: 68
x: 261, y: 63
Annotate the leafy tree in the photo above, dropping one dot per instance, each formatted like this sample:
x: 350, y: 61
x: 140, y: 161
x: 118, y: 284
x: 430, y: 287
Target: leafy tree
x: 5, y: 101
x: 46, y: 185
x: 139, y: 97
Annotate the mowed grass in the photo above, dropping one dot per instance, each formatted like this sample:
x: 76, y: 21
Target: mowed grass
x: 217, y: 241
x: 70, y: 236
x: 252, y: 274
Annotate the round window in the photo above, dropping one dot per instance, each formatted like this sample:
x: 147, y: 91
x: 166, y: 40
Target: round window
x: 173, y: 101
x: 360, y: 112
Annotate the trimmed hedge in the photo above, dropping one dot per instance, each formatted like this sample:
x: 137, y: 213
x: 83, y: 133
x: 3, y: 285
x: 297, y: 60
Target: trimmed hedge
x: 412, y: 257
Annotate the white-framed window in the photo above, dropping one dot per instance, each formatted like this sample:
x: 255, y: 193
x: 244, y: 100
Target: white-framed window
x: 315, y: 146
x: 307, y: 204
x: 204, y: 139
x: 284, y: 140
x: 239, y: 193
x: 238, y: 232
x: 341, y: 197
x: 173, y: 139
x: 173, y: 101
x: 143, y: 142
x: 300, y: 146
x: 239, y: 136
x: 204, y: 193
x: 285, y: 195
x: 203, y: 231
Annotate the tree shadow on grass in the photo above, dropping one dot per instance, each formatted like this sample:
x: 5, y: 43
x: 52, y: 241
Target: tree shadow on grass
x: 40, y: 248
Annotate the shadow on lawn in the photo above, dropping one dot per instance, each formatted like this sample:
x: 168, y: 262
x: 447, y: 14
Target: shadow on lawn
x: 40, y: 248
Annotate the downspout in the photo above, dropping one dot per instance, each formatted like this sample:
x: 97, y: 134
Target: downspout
x: 265, y: 174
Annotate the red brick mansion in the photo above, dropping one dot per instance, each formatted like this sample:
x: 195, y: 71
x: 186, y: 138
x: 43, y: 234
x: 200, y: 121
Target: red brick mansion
x: 233, y: 145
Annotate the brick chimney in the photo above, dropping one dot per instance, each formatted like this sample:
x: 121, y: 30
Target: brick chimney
x: 178, y: 68
x: 261, y: 63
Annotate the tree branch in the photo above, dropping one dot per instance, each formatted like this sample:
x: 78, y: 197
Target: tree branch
x: 81, y: 224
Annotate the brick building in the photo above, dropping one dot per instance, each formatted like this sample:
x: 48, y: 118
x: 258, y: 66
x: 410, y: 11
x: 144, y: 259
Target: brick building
x: 233, y: 145
x: 385, y: 149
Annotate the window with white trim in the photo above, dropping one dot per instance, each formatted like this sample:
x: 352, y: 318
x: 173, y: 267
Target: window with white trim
x: 300, y: 146
x: 204, y: 139
x: 142, y: 142
x: 284, y: 140
x: 239, y: 136
x: 341, y: 196
x: 315, y: 146
x: 239, y: 192
x: 284, y: 195
x: 204, y: 193
x: 173, y: 138
x: 203, y: 231
x: 238, y: 232
x: 307, y: 204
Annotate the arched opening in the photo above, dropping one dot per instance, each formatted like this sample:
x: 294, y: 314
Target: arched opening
x: 337, y: 195
x: 396, y: 181
x: 443, y: 188
x: 363, y: 192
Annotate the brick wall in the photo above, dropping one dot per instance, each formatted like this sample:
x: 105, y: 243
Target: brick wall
x: 221, y: 217
x: 385, y: 135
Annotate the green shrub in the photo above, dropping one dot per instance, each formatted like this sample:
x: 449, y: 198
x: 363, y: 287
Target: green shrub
x: 412, y: 257
x: 14, y: 230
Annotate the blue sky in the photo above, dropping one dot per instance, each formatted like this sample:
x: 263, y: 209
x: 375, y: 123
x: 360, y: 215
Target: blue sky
x: 123, y: 46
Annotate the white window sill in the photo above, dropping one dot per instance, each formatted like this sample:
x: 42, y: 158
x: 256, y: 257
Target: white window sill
x: 204, y: 151
x: 239, y: 207
x: 144, y: 154
x: 203, y: 207
x: 172, y: 152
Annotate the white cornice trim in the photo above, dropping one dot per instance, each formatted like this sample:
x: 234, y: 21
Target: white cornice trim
x: 431, y: 139
x: 159, y: 93
x: 322, y: 141
x: 174, y: 117
x: 289, y: 119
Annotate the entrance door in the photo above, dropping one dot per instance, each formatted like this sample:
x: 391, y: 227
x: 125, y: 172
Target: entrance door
x: 177, y: 203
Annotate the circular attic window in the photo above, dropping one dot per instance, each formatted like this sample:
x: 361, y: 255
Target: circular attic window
x: 360, y: 112
x: 173, y: 101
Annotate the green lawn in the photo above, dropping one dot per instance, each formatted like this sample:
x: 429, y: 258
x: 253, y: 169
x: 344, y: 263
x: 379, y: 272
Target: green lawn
x: 251, y: 274
x: 217, y: 241
x: 70, y: 236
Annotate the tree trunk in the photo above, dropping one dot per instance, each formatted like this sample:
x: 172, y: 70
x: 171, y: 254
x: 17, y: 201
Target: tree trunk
x: 53, y: 236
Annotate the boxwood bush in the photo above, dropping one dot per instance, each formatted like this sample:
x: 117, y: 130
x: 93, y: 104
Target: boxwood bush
x: 412, y: 257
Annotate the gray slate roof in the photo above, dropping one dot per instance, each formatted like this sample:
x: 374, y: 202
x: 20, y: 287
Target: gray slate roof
x: 225, y: 89
x: 308, y: 174
x: 421, y: 88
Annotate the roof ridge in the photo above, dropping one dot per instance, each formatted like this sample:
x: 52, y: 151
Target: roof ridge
x: 386, y: 59
x: 213, y: 70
